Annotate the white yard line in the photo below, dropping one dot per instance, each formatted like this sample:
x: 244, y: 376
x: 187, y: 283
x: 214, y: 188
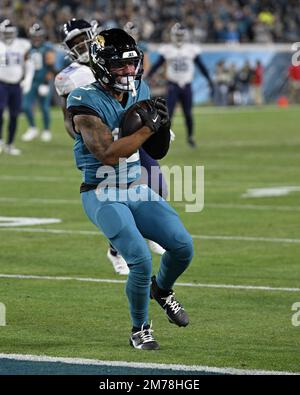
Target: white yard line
x: 26, y: 201
x: 140, y: 365
x: 248, y: 238
x: 38, y: 178
x: 113, y: 281
x: 250, y: 207
x: 201, y: 237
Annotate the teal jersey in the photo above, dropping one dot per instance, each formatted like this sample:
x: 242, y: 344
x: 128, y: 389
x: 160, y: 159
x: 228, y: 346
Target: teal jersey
x: 111, y: 112
x: 37, y: 56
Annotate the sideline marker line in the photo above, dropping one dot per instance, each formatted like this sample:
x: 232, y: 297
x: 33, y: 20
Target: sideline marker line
x: 113, y: 281
x: 141, y: 365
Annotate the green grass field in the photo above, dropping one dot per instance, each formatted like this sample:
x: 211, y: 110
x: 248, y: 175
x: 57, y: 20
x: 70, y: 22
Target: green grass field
x: 238, y: 241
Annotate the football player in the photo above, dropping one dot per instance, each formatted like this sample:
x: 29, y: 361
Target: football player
x: 96, y: 111
x: 16, y: 73
x: 147, y: 161
x: 77, y: 34
x: 180, y: 58
x: 76, y: 37
x: 42, y: 55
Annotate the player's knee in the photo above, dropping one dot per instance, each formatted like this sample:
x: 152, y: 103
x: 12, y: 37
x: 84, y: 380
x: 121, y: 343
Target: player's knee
x: 138, y: 254
x: 137, y: 281
x: 141, y: 270
x: 185, y: 247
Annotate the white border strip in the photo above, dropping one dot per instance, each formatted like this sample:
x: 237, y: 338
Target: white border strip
x: 113, y: 281
x: 140, y: 365
x: 202, y: 237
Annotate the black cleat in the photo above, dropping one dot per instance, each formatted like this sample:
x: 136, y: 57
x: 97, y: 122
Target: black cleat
x: 175, y: 312
x: 191, y: 142
x: 143, y: 339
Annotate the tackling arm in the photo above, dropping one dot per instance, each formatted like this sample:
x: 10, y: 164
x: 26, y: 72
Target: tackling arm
x: 67, y: 119
x: 99, y: 141
x: 50, y: 64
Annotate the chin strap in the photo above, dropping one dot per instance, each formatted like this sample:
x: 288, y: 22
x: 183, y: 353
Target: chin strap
x: 132, y: 85
x: 127, y: 84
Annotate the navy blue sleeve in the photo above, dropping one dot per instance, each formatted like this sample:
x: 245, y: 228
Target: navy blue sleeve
x: 161, y: 60
x: 198, y: 61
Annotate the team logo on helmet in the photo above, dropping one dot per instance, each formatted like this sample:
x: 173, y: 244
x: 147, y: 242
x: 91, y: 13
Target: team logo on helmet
x: 100, y: 40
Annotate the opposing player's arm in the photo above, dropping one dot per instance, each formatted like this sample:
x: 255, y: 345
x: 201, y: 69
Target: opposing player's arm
x: 64, y: 85
x: 50, y: 58
x: 67, y: 118
x: 28, y: 73
x: 160, y: 61
x: 201, y: 66
x: 98, y: 139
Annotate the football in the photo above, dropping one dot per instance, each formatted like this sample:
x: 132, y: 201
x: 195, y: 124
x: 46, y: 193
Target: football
x: 158, y: 144
x: 131, y: 121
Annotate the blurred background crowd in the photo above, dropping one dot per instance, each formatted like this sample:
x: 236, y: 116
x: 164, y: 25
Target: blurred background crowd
x: 259, y: 76
x: 209, y: 21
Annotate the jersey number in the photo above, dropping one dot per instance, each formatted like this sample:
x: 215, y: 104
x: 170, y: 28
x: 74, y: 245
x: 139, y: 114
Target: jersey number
x: 134, y: 157
x: 10, y: 59
x: 180, y: 65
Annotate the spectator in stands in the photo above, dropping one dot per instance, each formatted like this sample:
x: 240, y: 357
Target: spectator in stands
x: 234, y: 96
x: 294, y: 84
x: 243, y: 79
x: 219, y: 31
x: 262, y: 32
x: 211, y: 21
x: 232, y: 35
x: 257, y: 82
x: 222, y: 82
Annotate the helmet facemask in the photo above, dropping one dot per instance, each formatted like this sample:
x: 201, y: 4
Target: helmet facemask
x: 8, y: 32
x: 106, y: 62
x: 77, y: 46
x: 126, y: 82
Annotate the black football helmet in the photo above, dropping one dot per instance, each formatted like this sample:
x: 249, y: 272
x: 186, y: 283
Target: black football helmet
x: 8, y: 31
x: 77, y: 34
x: 113, y: 49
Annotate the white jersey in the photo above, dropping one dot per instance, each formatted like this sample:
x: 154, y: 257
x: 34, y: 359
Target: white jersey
x: 12, y: 60
x: 72, y: 77
x: 180, y: 62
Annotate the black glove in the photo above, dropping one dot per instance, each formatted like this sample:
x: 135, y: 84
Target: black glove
x: 151, y: 118
x: 157, y: 145
x: 162, y: 109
